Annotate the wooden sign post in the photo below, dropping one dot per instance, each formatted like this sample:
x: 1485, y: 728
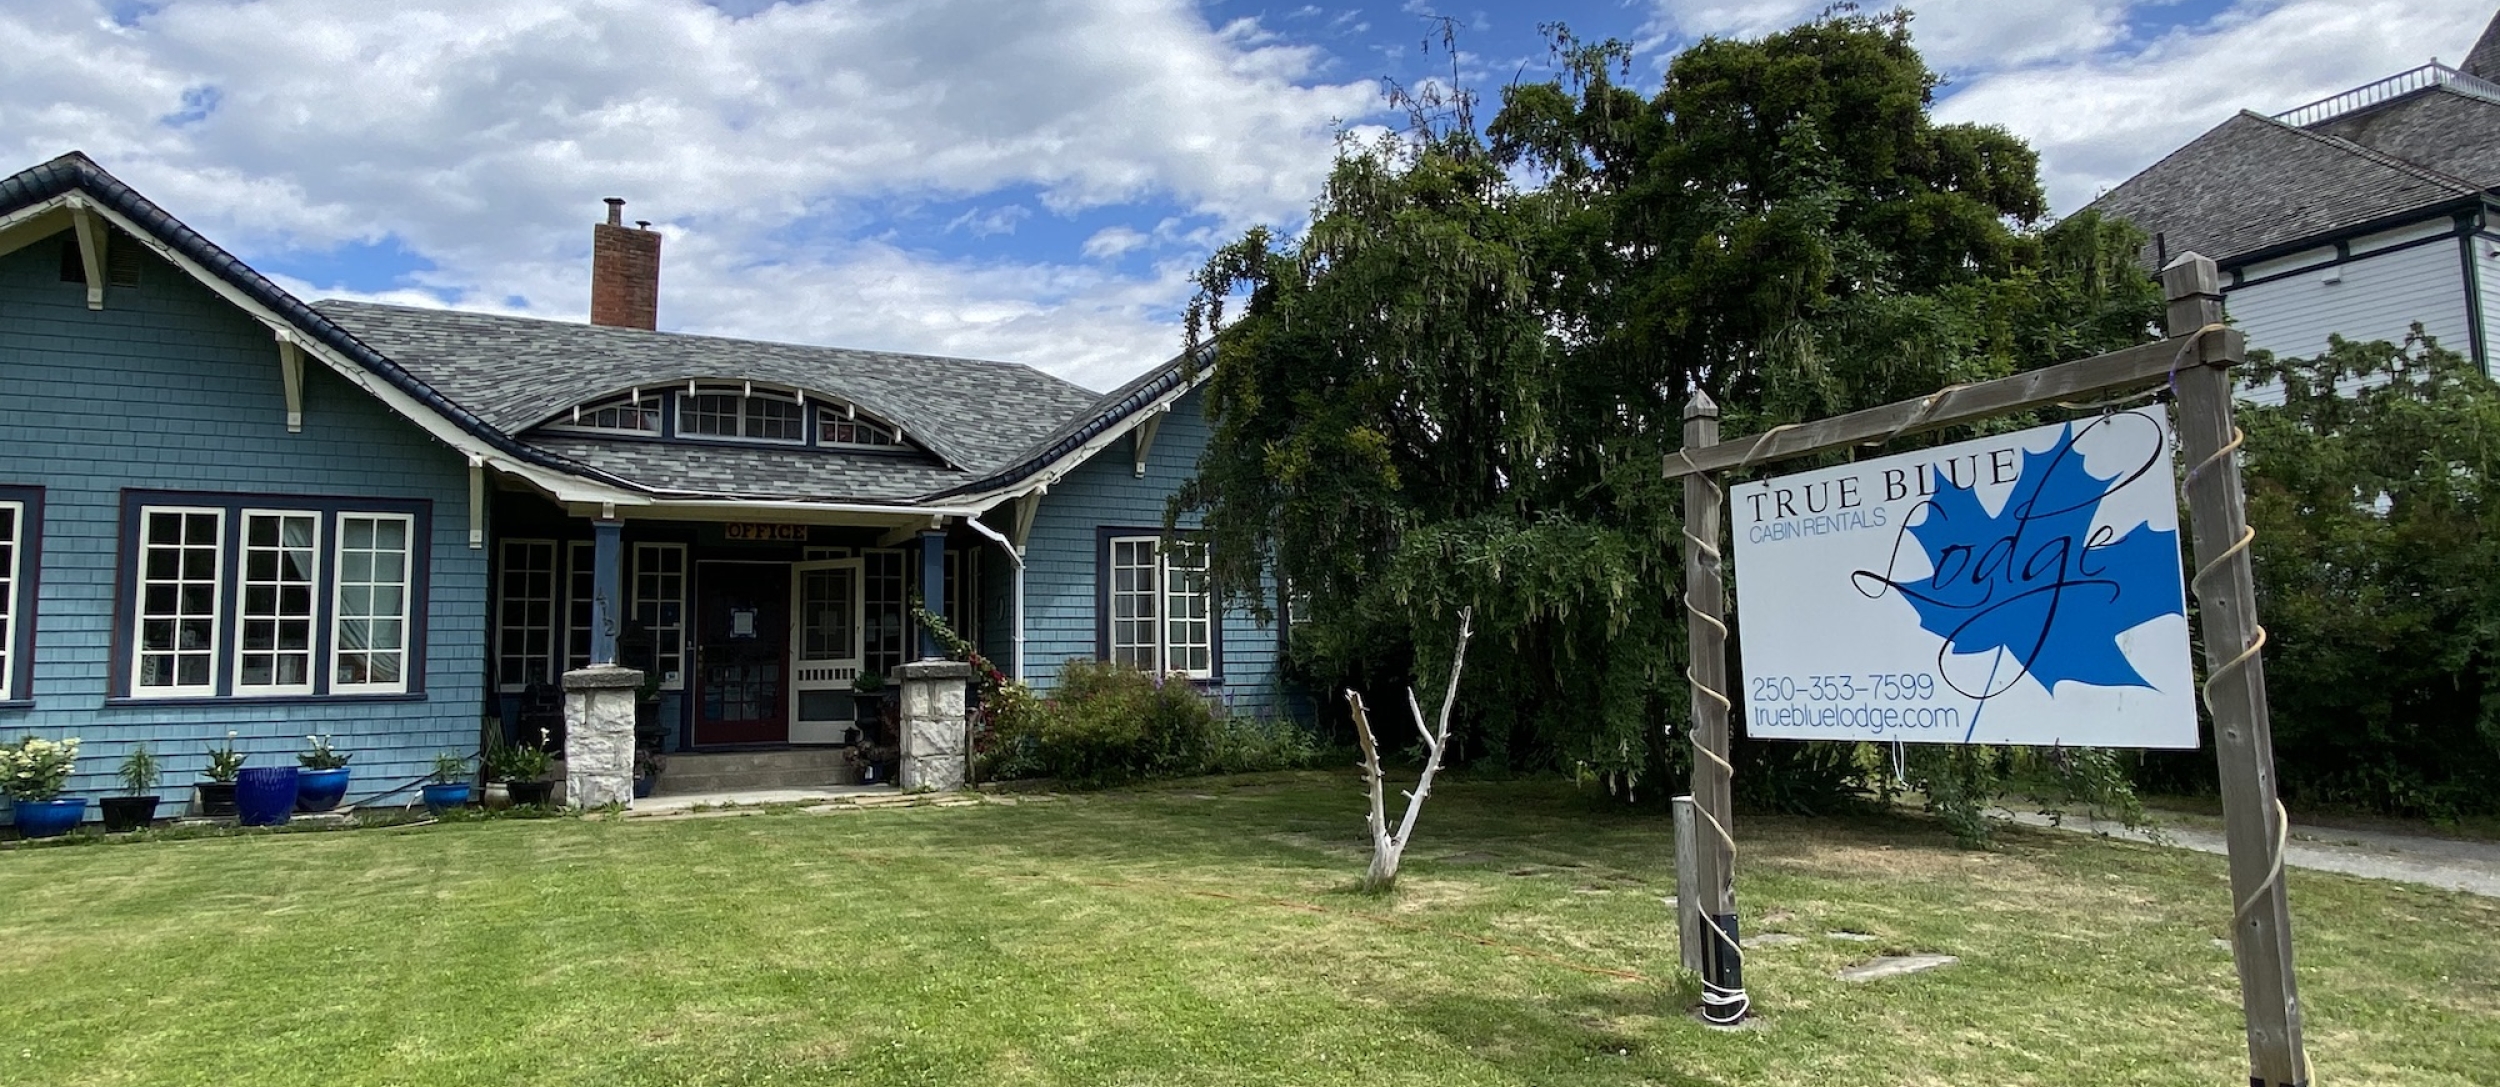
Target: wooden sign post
x: 2235, y: 688
x: 2194, y: 361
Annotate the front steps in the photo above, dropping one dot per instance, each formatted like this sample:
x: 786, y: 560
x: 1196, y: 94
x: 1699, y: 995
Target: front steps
x: 744, y: 771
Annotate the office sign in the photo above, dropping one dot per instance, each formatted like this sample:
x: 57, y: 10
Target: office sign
x: 2018, y: 589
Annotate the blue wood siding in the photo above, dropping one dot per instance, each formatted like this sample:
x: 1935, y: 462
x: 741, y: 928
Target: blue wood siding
x: 170, y: 388
x: 1062, y: 589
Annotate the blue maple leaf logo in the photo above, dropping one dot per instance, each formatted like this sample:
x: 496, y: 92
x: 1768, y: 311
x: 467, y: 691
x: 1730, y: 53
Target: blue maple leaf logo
x: 2035, y: 583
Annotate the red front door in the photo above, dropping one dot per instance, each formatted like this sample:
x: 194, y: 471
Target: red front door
x: 742, y: 631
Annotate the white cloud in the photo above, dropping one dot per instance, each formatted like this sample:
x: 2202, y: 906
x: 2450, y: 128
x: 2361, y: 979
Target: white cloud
x: 2098, y: 119
x: 1954, y: 35
x: 481, y: 133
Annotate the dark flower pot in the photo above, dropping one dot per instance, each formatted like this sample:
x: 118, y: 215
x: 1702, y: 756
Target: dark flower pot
x: 440, y: 798
x: 49, y: 818
x: 264, y: 796
x: 123, y: 814
x: 320, y: 790
x: 531, y: 793
x: 644, y: 785
x: 216, y: 798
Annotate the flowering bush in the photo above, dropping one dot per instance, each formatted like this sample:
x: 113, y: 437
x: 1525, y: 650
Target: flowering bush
x: 36, y: 768
x: 322, y: 756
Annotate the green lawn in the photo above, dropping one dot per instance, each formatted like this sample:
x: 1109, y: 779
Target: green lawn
x: 1200, y: 934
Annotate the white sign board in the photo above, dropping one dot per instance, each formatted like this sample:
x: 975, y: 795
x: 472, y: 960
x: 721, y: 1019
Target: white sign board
x: 2019, y: 589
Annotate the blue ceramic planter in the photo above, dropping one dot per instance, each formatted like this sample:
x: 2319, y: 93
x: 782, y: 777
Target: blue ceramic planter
x: 264, y: 796
x: 442, y: 798
x: 320, y: 790
x: 49, y: 818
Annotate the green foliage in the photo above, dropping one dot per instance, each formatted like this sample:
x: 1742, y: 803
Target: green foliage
x: 2373, y: 509
x: 140, y: 770
x: 1962, y: 785
x: 1457, y: 387
x: 35, y: 768
x: 517, y: 762
x: 450, y: 768
x: 224, y: 762
x: 1111, y: 724
x: 323, y: 756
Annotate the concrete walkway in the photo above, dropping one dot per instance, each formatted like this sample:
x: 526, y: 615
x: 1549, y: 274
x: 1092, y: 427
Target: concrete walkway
x: 2446, y: 863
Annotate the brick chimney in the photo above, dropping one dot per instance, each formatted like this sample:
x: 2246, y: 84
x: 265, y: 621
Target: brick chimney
x: 624, y: 271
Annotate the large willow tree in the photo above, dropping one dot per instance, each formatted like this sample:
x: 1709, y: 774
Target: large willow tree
x: 1457, y: 386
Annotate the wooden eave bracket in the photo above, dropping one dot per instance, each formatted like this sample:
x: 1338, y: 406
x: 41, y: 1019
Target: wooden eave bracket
x: 291, y: 373
x: 1027, y: 505
x: 92, y: 238
x: 1144, y: 436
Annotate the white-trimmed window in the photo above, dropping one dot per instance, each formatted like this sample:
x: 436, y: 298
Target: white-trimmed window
x: 525, y: 614
x: 274, y: 626
x: 369, y: 648
x: 843, y: 428
x: 730, y: 413
x: 258, y: 597
x: 181, y: 574
x: 623, y: 415
x: 660, y: 607
x: 1160, y: 608
x: 18, y: 526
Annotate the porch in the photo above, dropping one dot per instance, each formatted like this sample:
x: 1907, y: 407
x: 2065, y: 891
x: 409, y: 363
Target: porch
x: 755, y: 635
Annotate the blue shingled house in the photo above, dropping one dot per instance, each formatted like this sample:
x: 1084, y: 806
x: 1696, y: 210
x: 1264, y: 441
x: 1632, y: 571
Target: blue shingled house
x: 225, y: 509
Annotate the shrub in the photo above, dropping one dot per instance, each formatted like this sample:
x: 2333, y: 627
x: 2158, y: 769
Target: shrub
x: 36, y: 768
x: 1110, y: 724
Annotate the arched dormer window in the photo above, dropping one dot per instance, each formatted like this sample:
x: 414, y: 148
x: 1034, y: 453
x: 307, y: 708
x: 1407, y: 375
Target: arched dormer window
x: 738, y: 413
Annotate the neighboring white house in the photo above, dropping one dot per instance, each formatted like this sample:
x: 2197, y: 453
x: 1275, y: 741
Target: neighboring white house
x: 2358, y: 215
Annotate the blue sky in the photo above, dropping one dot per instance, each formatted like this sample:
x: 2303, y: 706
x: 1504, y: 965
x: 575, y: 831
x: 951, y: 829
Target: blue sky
x: 1029, y: 180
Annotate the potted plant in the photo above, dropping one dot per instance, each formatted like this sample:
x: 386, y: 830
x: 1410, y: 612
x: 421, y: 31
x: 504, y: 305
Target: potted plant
x: 139, y: 773
x: 450, y: 785
x: 264, y: 796
x: 33, y: 771
x: 647, y: 766
x: 323, y: 782
x: 522, y: 768
x: 217, y: 792
x: 867, y: 698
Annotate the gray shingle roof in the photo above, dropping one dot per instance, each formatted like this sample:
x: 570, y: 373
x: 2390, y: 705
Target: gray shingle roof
x: 820, y: 475
x: 2484, y: 59
x: 2253, y: 183
x: 2438, y: 128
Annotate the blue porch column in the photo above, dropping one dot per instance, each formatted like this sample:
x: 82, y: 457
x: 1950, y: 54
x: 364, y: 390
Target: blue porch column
x: 607, y: 595
x: 932, y: 588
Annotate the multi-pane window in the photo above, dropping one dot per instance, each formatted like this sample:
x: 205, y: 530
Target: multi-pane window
x: 660, y: 607
x: 370, y: 647
x: 629, y: 414
x: 836, y: 428
x: 274, y: 628
x: 581, y: 606
x: 888, y: 621
x: 1188, y: 611
x: 181, y: 554
x: 239, y: 596
x: 16, y: 569
x: 525, y: 613
x: 963, y: 594
x: 1160, y: 609
x: 755, y: 417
